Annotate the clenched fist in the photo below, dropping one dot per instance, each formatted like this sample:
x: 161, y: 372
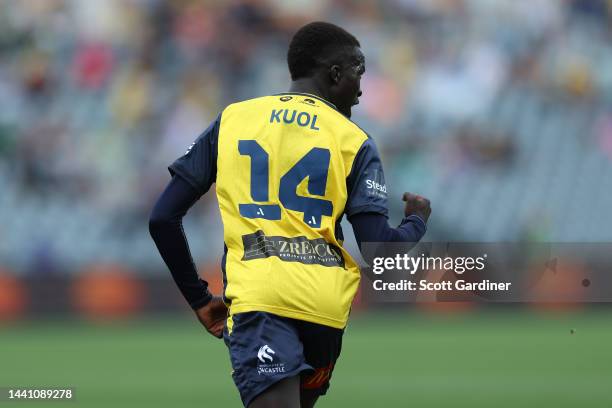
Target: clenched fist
x: 416, y: 205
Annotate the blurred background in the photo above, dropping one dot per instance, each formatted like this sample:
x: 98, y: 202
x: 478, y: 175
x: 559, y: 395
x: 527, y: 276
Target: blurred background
x: 499, y: 111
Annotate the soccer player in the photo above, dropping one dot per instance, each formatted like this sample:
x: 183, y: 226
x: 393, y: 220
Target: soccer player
x: 287, y: 168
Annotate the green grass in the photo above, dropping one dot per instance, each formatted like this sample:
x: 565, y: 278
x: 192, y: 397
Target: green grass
x: 413, y: 360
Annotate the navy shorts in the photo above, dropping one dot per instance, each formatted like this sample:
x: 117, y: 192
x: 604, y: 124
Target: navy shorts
x: 265, y: 348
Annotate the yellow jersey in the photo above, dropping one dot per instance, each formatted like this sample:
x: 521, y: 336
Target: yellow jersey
x: 287, y: 168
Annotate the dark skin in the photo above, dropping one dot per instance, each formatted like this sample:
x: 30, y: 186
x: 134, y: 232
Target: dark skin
x: 213, y: 316
x: 336, y: 79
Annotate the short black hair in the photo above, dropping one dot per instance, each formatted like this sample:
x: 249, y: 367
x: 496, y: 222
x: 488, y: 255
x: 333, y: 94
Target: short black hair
x: 315, y: 41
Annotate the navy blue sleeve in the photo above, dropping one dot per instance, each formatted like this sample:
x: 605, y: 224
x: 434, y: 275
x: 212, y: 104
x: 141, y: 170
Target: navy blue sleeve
x: 198, y: 166
x: 373, y: 227
x: 367, y: 191
x: 166, y: 228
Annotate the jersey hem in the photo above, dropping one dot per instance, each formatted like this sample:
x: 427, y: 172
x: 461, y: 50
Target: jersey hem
x: 290, y: 313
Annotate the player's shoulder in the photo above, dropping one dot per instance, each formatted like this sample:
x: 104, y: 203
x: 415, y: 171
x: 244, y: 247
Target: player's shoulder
x: 356, y: 136
x: 354, y: 129
x: 246, y: 104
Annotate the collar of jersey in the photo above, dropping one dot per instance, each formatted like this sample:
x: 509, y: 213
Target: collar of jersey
x: 308, y: 94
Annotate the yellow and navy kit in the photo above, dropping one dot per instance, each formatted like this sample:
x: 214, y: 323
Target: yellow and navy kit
x: 287, y: 168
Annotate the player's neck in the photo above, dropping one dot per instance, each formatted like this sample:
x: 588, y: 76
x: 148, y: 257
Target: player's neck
x: 309, y: 86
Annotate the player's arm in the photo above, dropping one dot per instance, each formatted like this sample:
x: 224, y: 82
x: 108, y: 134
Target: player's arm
x: 193, y: 174
x: 367, y: 209
x: 373, y: 227
x: 166, y: 227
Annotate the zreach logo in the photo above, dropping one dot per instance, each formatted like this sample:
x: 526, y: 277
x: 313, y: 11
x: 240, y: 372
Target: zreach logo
x: 286, y: 98
x: 296, y: 249
x: 264, y: 354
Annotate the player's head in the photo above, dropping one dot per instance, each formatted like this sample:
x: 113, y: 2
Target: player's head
x: 331, y: 56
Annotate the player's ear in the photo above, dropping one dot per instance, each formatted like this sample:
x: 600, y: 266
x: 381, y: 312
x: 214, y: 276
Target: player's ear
x: 335, y: 73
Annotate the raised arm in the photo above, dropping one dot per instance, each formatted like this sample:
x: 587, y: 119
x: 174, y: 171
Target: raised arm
x: 367, y: 209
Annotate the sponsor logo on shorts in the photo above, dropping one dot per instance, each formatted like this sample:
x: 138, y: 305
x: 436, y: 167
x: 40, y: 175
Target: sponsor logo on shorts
x: 318, y: 379
x: 297, y: 249
x: 266, y: 356
x: 265, y: 353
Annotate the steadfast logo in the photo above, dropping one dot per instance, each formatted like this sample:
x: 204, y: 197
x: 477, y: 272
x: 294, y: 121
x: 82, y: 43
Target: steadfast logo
x: 297, y: 249
x: 287, y: 116
x: 375, y: 184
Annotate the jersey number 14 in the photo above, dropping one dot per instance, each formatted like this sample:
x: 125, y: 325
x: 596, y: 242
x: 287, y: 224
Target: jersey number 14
x: 314, y: 165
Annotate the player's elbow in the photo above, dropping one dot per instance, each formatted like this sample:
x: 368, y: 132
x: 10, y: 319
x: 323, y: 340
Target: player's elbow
x: 158, y: 222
